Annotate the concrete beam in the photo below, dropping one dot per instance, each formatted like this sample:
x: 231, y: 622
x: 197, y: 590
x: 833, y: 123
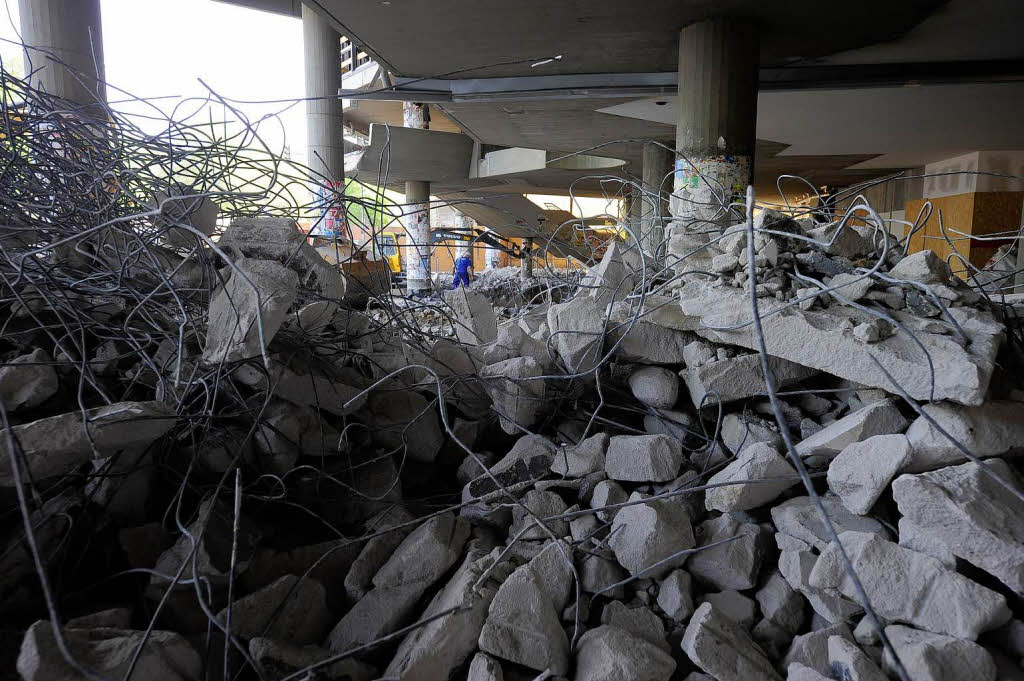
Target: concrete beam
x: 411, y: 154
x: 617, y: 85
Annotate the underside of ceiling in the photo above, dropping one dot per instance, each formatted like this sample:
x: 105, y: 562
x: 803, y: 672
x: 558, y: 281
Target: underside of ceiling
x: 826, y: 134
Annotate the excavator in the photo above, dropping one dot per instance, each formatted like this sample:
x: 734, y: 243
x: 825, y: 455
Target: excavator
x: 387, y: 246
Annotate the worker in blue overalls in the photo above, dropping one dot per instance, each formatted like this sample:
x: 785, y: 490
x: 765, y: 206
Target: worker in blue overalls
x: 463, y: 270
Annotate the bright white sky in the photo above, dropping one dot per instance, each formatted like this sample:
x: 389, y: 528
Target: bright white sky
x: 156, y: 48
x: 160, y: 48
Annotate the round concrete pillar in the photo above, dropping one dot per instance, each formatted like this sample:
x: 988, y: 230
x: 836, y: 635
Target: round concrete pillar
x: 325, y: 135
x: 716, y: 117
x: 68, y: 31
x: 526, y: 265
x: 325, y: 141
x: 417, y: 214
x: 636, y: 209
x: 415, y: 115
x: 658, y: 164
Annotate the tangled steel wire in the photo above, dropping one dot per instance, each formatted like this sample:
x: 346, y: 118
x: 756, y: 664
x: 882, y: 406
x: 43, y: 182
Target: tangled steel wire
x: 313, y: 441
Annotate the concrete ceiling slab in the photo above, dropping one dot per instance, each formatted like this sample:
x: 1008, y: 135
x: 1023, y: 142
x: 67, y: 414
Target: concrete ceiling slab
x: 420, y: 38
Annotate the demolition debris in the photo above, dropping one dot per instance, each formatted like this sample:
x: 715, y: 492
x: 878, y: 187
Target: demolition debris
x: 217, y: 464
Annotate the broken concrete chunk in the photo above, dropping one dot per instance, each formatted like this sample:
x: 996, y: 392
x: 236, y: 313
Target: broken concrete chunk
x: 517, y: 392
x: 868, y: 332
x: 577, y: 461
x: 862, y: 471
x: 748, y: 482
x: 27, y: 381
x: 639, y: 339
x: 668, y: 422
x: 541, y: 505
x: 327, y: 562
x: 932, y: 657
x: 848, y: 662
x: 281, y: 239
x: 698, y: 353
x: 552, y: 568
x: 852, y: 286
x: 924, y: 267
x: 613, y: 277
x: 359, y: 579
x: 675, y: 595
x: 427, y: 553
x: 697, y: 676
x: 523, y: 627
x: 485, y: 668
x: 734, y: 605
x: 643, y: 458
x: 655, y: 386
x: 845, y: 241
x: 811, y: 650
x: 247, y: 312
x: 741, y: 431
x: 276, y: 659
x: 781, y: 604
x: 57, y: 444
x: 915, y: 539
x: 637, y: 620
x: 994, y: 429
x: 405, y: 422
x: 313, y: 387
x: 609, y: 653
x: 799, y: 518
x: 380, y: 612
x: 644, y: 535
x: 822, y: 339
x: 475, y: 323
x: 514, y: 341
x: 607, y: 493
x: 599, y: 571
x: 967, y: 510
x: 722, y: 649
x: 796, y: 565
x: 799, y: 672
x: 907, y: 586
x: 733, y: 564
x: 167, y: 656
x: 529, y: 459
x: 436, y: 649
x: 291, y: 609
x: 577, y: 329
x: 878, y: 418
x: 738, y: 378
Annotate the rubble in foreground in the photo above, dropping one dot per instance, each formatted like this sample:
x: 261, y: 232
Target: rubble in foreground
x: 230, y: 466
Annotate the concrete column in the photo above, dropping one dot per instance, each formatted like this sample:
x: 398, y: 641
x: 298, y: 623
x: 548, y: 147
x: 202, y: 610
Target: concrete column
x: 325, y: 140
x: 636, y: 210
x: 466, y: 223
x: 417, y: 220
x: 715, y: 119
x: 69, y: 31
x: 658, y: 164
x: 626, y: 209
x: 527, y: 262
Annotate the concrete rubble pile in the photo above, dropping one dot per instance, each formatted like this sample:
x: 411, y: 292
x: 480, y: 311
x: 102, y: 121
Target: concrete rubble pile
x: 596, y: 489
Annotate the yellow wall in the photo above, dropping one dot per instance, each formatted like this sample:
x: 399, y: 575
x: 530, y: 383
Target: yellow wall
x: 975, y: 213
